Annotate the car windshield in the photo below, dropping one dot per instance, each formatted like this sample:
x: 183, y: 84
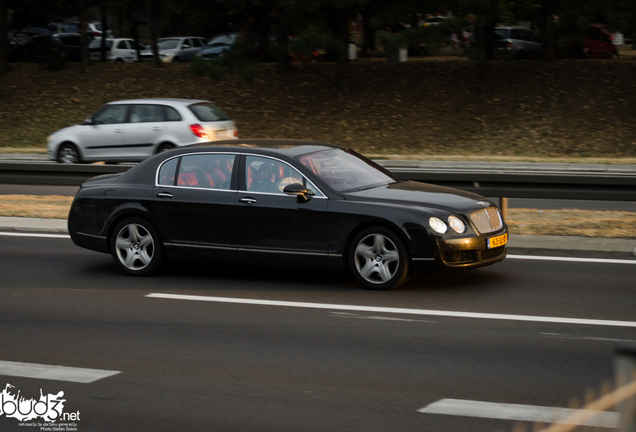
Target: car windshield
x: 345, y: 170
x: 167, y: 44
x: 207, y: 112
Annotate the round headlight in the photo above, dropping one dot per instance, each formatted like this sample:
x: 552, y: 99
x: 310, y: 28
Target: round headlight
x: 456, y: 224
x: 438, y: 225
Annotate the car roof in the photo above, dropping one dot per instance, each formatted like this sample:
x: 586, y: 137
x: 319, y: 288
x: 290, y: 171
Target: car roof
x: 288, y: 147
x: 184, y: 102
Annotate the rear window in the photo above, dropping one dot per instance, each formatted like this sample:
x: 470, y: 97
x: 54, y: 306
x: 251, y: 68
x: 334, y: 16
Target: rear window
x: 207, y: 112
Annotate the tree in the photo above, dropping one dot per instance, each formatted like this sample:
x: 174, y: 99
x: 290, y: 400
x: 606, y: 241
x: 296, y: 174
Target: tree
x: 4, y: 31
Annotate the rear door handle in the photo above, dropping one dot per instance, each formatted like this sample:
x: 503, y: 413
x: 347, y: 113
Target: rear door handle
x: 247, y: 200
x: 156, y: 128
x: 164, y: 195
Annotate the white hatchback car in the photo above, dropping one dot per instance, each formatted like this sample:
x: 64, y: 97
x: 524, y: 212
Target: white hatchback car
x: 133, y: 130
x: 117, y: 50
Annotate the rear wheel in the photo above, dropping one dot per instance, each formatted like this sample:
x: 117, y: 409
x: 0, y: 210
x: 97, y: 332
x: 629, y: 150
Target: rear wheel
x: 68, y: 153
x: 136, y: 247
x: 378, y: 259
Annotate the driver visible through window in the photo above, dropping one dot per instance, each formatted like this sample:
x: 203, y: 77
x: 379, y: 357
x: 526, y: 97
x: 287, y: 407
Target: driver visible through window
x: 345, y: 170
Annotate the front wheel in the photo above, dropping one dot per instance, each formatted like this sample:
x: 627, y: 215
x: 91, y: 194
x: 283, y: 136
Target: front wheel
x: 136, y: 247
x: 378, y: 259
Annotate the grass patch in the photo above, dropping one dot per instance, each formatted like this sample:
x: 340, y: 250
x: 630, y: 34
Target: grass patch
x: 565, y: 110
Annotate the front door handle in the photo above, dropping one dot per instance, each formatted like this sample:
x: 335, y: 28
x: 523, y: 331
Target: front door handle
x: 164, y: 195
x: 247, y: 200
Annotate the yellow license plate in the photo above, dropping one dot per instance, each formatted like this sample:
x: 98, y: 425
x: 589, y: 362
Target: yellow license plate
x: 494, y: 242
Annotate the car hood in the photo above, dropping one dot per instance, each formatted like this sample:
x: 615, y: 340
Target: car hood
x: 412, y: 193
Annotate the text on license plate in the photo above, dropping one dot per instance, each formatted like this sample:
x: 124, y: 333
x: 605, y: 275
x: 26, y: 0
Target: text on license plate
x: 497, y: 241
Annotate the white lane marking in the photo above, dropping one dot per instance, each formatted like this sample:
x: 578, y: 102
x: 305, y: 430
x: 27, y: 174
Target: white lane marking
x: 602, y: 339
x: 392, y: 310
x: 12, y: 234
x: 504, y: 411
x: 375, y: 317
x: 51, y: 372
x: 573, y: 259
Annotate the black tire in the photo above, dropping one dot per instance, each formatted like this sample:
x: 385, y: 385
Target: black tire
x: 68, y: 153
x: 165, y: 147
x: 136, y: 247
x: 119, y: 60
x: 378, y: 259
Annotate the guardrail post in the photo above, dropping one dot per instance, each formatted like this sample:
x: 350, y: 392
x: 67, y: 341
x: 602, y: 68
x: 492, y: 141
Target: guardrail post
x: 504, y: 207
x: 625, y: 370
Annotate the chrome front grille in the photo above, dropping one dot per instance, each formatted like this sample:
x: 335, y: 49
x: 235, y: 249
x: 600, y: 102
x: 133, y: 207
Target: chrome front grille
x: 486, y: 220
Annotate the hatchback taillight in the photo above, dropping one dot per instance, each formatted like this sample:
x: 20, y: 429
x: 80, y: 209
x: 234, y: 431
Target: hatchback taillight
x: 236, y: 133
x: 510, y: 45
x: 198, y: 130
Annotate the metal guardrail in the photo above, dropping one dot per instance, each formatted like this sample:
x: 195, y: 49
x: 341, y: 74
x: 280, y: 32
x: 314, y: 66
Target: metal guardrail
x: 551, y: 181
x: 53, y: 174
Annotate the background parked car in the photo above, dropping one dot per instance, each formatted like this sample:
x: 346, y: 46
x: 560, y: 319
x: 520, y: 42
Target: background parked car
x: 117, y: 50
x: 522, y: 42
x: 176, y: 49
x: 218, y: 45
x: 598, y: 42
x: 132, y: 130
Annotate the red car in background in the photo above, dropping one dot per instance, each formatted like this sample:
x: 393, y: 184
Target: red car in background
x: 598, y: 42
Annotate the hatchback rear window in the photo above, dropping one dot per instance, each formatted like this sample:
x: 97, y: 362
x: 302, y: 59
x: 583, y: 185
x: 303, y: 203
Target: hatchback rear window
x: 207, y: 112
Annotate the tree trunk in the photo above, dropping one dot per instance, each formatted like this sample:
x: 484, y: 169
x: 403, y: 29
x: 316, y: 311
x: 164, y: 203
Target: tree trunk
x: 82, y: 32
x: 104, y: 7
x: 156, y: 61
x: 369, y: 37
x: 4, y: 61
x: 344, y: 70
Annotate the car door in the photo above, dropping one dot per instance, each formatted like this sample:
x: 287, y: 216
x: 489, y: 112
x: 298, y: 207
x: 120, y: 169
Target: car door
x: 129, y: 53
x: 143, y: 130
x: 195, y: 202
x: 274, y: 227
x: 103, y: 137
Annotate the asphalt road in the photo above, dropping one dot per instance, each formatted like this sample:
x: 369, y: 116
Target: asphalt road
x: 216, y: 366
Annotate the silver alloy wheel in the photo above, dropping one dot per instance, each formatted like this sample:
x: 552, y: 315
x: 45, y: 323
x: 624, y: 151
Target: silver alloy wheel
x: 376, y: 258
x: 135, y: 247
x: 68, y: 154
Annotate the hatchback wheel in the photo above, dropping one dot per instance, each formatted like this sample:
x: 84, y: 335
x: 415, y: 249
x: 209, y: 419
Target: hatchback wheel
x: 378, y: 259
x: 136, y: 247
x: 67, y: 153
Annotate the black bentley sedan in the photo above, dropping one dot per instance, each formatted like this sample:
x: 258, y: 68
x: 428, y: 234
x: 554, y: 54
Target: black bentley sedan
x: 283, y: 203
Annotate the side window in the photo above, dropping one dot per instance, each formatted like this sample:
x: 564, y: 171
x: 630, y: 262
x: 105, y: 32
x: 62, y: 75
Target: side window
x: 166, y: 172
x: 517, y: 34
x: 172, y: 114
x: 121, y: 45
x: 111, y: 114
x: 271, y: 176
x: 186, y: 42
x: 213, y: 171
x: 146, y: 113
x: 196, y: 43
